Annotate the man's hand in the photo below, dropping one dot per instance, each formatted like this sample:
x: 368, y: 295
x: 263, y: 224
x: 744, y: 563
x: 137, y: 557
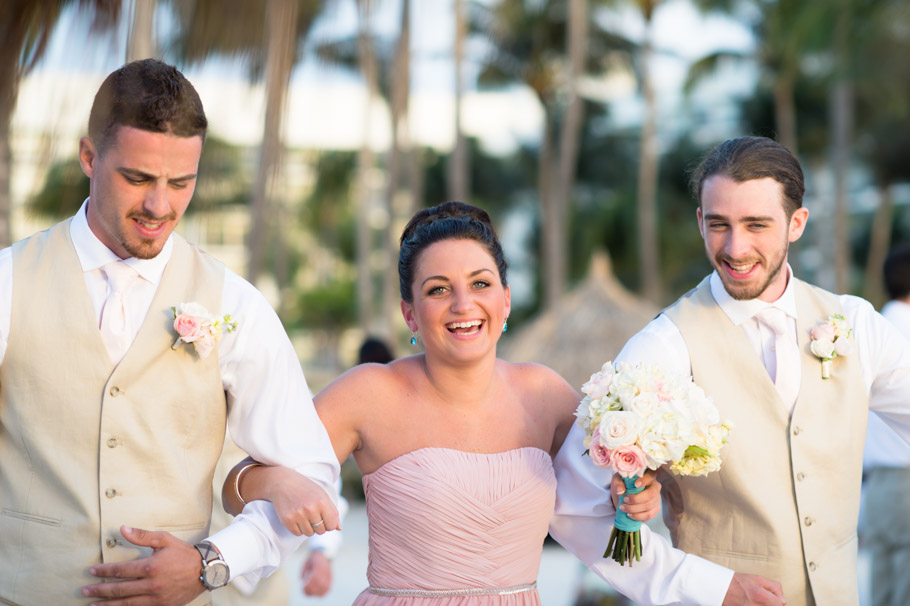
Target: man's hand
x: 642, y: 506
x: 169, y: 577
x: 746, y: 589
x: 316, y: 574
x: 301, y: 504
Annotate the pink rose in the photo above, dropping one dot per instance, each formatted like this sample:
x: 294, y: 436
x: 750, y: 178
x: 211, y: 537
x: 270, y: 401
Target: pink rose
x: 597, y: 451
x: 188, y: 327
x: 628, y: 461
x: 823, y: 332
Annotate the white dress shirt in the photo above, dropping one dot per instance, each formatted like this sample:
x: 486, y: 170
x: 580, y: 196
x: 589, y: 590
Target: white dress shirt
x: 270, y: 410
x: 884, y: 447
x: 584, y: 511
x: 883, y: 353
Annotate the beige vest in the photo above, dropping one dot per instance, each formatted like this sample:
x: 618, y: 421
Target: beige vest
x: 85, y: 446
x: 785, y: 502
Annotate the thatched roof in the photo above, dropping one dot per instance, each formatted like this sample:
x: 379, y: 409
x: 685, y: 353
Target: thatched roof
x: 589, y: 326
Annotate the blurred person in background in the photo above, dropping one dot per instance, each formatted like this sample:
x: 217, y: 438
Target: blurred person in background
x: 110, y: 430
x: 886, y: 466
x: 464, y: 468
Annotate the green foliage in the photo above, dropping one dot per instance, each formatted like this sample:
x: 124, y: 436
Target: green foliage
x: 328, y: 307
x: 63, y: 192
x: 328, y: 210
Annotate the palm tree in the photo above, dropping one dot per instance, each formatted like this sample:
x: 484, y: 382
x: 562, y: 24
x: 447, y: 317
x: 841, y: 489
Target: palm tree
x: 141, y: 40
x: 648, y: 170
x: 25, y: 29
x: 269, y: 37
x: 529, y: 46
x: 785, y: 32
x: 458, y: 174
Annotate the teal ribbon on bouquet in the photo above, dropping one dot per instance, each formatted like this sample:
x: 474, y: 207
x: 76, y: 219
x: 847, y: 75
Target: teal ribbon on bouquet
x: 625, y: 539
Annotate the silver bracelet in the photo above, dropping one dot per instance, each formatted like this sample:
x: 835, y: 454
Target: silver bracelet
x: 237, y: 480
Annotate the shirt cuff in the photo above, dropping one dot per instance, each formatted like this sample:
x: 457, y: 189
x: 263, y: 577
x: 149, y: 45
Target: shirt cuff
x: 256, y: 543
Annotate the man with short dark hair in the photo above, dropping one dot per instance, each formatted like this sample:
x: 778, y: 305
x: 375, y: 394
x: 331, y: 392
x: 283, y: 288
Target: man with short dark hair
x: 775, y: 354
x: 113, y: 411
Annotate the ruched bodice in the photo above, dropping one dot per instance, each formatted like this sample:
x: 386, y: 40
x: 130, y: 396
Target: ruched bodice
x: 444, y: 519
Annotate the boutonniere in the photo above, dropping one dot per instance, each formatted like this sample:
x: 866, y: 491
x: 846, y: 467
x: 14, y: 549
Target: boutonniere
x: 194, y: 324
x: 829, y: 340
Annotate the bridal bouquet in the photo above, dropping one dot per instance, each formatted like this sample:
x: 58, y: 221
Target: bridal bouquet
x: 641, y: 417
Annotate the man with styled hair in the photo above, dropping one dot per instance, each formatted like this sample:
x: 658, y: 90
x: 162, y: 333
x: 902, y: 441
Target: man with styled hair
x: 112, y: 415
x: 785, y: 503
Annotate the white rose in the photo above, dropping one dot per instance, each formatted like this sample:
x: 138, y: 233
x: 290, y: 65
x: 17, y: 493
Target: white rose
x: 193, y: 309
x: 599, y: 384
x: 645, y: 404
x: 618, y: 428
x: 843, y: 346
x: 822, y: 349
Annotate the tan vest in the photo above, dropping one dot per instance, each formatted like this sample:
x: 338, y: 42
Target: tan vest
x: 85, y: 446
x: 786, y: 500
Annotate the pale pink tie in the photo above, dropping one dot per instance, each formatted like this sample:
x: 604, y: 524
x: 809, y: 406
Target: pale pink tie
x: 786, y: 374
x: 115, y: 324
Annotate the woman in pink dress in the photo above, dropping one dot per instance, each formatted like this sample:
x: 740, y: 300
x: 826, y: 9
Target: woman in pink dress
x: 456, y: 446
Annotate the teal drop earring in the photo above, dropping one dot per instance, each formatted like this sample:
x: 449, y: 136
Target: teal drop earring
x: 413, y: 338
x: 505, y: 326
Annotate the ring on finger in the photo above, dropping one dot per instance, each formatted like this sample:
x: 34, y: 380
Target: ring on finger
x: 317, y: 524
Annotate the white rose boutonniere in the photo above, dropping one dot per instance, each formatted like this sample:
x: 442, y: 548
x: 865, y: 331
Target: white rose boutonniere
x: 830, y: 340
x: 194, y: 324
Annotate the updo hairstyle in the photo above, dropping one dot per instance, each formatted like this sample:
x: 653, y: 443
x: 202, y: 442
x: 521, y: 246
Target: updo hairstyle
x: 446, y: 221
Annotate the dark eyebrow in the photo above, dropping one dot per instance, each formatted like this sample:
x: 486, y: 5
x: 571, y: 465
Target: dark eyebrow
x: 133, y: 173
x: 743, y: 220
x: 444, y: 279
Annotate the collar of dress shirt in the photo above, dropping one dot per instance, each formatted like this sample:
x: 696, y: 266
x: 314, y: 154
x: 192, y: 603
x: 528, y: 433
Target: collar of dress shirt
x: 740, y: 311
x: 93, y: 254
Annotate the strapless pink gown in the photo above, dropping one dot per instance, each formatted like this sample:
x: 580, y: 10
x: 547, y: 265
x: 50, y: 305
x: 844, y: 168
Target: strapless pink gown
x: 453, y: 528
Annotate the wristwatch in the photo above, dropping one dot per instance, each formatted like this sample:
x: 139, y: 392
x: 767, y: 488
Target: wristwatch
x: 215, y: 571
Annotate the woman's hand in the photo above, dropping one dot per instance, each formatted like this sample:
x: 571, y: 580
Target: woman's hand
x: 643, y: 506
x: 300, y: 503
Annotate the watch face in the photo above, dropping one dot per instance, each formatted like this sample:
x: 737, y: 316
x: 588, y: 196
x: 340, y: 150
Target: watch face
x: 216, y: 574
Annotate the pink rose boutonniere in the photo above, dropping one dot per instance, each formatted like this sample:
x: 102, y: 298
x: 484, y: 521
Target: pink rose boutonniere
x: 194, y: 324
x: 830, y: 340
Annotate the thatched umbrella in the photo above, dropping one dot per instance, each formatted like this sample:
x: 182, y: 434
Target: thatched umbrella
x: 587, y: 327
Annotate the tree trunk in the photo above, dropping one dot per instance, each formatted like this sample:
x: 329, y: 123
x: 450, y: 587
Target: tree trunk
x: 648, y: 243
x: 400, y: 152
x: 552, y: 225
x: 7, y: 105
x: 458, y: 173
x: 363, y: 193
x: 141, y: 43
x: 841, y: 100
x: 281, y: 19
x: 785, y: 113
x: 879, y: 245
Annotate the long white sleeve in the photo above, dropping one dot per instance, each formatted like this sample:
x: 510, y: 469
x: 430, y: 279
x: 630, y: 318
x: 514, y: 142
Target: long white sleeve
x: 582, y: 524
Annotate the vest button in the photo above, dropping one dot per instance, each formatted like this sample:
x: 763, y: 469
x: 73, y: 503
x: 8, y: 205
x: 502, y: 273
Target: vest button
x: 808, y: 520
x: 110, y: 493
x: 796, y: 431
x: 801, y: 476
x: 115, y: 391
x: 111, y: 542
x: 112, y: 442
x: 812, y: 566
